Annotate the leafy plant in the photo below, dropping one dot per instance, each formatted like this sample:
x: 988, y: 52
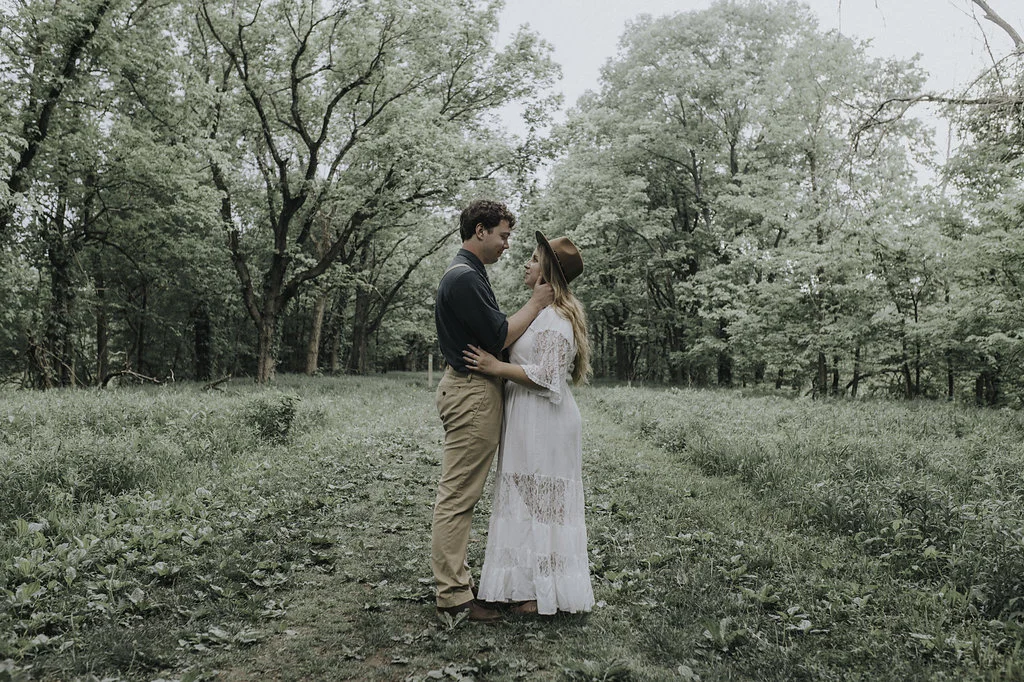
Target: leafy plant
x: 724, y: 634
x: 272, y: 416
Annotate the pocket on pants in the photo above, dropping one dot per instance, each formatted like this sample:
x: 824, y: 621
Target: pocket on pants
x: 458, y: 401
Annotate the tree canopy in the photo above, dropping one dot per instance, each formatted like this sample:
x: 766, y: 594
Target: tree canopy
x: 195, y: 189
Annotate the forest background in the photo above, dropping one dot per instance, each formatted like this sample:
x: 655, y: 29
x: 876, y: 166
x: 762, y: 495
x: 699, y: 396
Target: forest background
x: 208, y: 189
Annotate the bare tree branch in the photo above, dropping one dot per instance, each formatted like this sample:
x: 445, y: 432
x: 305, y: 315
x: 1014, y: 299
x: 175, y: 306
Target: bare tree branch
x: 991, y: 15
x: 129, y: 373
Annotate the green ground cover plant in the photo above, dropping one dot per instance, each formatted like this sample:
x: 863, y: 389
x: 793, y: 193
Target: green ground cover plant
x: 283, y: 533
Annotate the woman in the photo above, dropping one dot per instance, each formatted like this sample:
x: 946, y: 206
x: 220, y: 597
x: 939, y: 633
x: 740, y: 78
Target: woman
x: 537, y: 543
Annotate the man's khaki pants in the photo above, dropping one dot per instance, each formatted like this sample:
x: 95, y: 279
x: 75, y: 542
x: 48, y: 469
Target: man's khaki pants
x: 470, y: 407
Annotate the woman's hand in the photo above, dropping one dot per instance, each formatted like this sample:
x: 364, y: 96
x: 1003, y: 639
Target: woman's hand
x: 479, y: 360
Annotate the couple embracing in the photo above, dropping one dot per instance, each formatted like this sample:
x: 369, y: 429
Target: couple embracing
x: 536, y: 557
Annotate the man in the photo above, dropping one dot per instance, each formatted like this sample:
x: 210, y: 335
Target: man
x: 470, y: 404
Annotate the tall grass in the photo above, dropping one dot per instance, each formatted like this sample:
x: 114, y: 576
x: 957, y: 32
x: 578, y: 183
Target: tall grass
x: 932, y: 489
x: 74, y: 447
x: 283, y: 533
x: 142, y: 505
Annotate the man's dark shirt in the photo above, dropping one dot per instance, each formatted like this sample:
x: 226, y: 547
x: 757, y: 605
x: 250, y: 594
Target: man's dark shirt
x: 466, y: 311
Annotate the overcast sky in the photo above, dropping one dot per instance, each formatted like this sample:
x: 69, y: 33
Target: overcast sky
x: 949, y: 34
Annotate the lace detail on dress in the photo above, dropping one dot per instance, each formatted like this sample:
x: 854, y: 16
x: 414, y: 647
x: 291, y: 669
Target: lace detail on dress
x: 543, y: 565
x: 546, y: 499
x: 554, y: 355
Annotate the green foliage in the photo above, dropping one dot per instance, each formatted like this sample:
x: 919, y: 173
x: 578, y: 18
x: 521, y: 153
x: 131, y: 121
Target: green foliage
x: 271, y: 416
x: 746, y: 219
x: 600, y: 671
x: 875, y: 539
x: 93, y: 445
x: 19, y: 317
x: 387, y: 107
x: 146, y: 507
x: 383, y: 125
x: 912, y: 499
x: 742, y: 189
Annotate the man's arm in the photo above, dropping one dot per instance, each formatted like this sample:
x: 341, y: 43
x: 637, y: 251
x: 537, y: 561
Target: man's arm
x: 519, y: 321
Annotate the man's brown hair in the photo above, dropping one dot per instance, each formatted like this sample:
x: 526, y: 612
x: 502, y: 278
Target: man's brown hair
x: 487, y: 213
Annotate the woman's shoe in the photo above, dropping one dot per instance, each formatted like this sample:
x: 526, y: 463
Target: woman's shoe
x: 526, y: 608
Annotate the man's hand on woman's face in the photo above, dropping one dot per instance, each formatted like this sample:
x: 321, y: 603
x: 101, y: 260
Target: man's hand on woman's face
x: 543, y: 294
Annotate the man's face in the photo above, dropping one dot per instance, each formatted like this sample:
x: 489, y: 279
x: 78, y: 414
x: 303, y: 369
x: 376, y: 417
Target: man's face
x: 494, y: 242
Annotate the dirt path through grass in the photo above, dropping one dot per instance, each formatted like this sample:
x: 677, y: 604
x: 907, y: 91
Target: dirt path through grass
x: 373, y: 617
x: 695, y: 576
x: 283, y: 534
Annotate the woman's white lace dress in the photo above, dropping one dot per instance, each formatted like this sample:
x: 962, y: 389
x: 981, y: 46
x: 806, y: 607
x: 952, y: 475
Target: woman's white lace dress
x: 537, y: 541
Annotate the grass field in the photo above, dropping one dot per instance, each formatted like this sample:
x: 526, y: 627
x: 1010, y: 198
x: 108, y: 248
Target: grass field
x: 251, y: 534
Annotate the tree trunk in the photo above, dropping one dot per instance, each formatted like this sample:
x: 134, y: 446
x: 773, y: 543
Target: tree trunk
x: 203, y: 341
x: 821, y: 376
x: 334, y: 357
x: 40, y: 374
x: 724, y: 374
x: 607, y: 350
x: 266, y: 348
x: 358, y: 360
x: 987, y: 388
x: 102, y: 332
x: 59, y: 323
x: 835, y: 376
x: 140, y: 338
x: 724, y: 357
x: 908, y: 392
x: 652, y: 354
x: 917, y: 351
x: 779, y: 379
x: 335, y: 330
x: 917, y: 368
x: 313, y: 349
x: 950, y: 377
x: 622, y: 363
x: 678, y: 350
x: 855, y: 382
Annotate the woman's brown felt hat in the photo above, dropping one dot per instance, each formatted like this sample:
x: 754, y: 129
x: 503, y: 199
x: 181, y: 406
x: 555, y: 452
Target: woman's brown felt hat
x: 568, y: 257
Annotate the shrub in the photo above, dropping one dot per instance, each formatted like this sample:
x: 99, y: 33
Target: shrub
x: 272, y: 416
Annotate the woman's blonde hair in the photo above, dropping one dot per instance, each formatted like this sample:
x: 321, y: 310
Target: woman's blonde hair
x: 570, y: 307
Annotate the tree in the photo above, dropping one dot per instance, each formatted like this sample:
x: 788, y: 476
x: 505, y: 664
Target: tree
x: 987, y: 186
x: 725, y: 138
x: 368, y: 111
x: 115, y: 198
x: 62, y: 93
x: 47, y: 47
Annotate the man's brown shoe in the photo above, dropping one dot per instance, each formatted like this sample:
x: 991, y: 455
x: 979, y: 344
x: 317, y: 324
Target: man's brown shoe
x: 475, y: 611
